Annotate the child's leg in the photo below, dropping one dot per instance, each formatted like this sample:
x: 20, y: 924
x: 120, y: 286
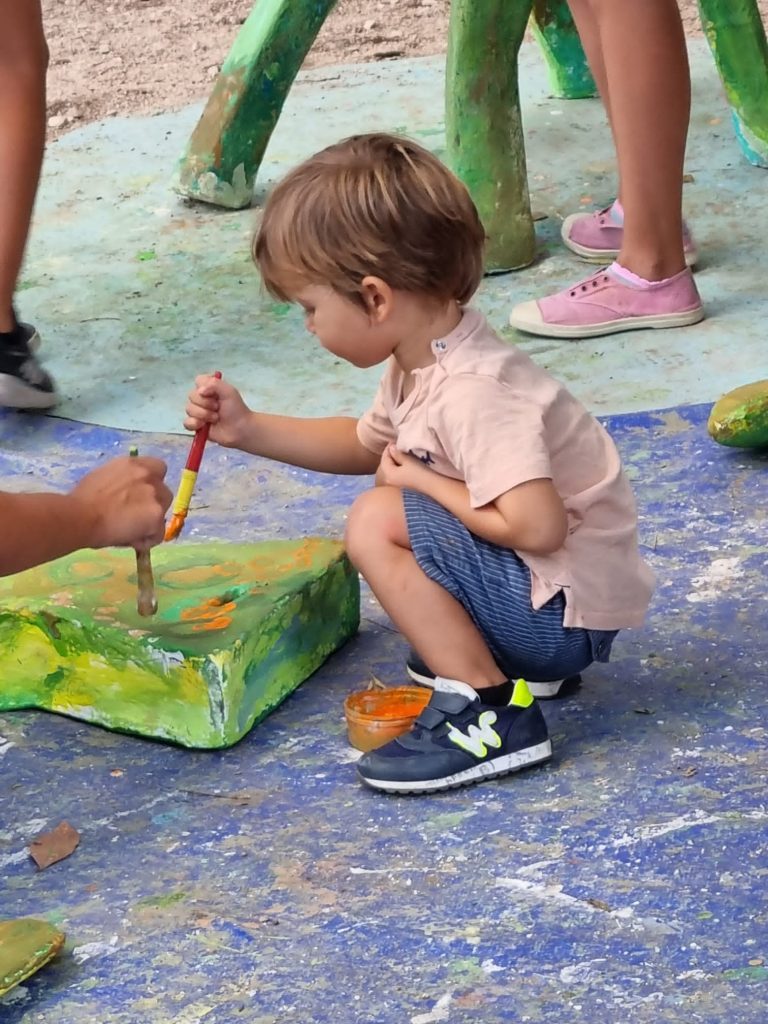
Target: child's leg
x: 433, y: 621
x: 23, y: 63
x: 457, y: 739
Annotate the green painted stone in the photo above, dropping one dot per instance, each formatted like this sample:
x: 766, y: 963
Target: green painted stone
x: 26, y: 945
x: 238, y: 628
x: 740, y: 418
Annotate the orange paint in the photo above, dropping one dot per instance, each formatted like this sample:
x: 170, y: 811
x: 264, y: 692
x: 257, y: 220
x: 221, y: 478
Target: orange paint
x: 374, y: 717
x: 213, y: 624
x: 212, y: 608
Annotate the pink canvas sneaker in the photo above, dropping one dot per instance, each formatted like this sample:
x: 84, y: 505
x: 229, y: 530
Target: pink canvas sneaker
x: 597, y: 237
x: 607, y: 304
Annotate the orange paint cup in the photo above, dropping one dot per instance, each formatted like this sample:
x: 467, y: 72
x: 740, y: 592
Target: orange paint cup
x: 374, y: 717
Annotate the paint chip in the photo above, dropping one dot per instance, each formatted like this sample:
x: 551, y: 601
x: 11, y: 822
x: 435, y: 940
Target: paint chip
x: 53, y: 846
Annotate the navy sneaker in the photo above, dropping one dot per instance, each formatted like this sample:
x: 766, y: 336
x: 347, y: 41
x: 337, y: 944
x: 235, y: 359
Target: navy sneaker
x: 24, y: 384
x: 420, y: 672
x: 458, y: 740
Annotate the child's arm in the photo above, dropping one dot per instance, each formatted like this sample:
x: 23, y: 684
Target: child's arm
x: 530, y: 517
x: 328, y: 445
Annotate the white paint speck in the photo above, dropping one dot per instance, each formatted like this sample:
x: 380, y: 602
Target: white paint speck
x: 490, y: 967
x: 94, y: 950
x: 721, y: 575
x: 646, y: 832
x: 438, y: 1012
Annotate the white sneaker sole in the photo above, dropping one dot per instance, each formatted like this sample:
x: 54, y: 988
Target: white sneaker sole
x: 657, y: 321
x: 604, y: 255
x: 542, y: 691
x: 486, y: 770
x: 14, y: 394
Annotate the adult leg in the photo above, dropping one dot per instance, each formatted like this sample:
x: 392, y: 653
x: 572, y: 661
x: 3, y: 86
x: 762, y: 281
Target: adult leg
x: 23, y: 63
x: 641, y: 67
x: 648, y: 90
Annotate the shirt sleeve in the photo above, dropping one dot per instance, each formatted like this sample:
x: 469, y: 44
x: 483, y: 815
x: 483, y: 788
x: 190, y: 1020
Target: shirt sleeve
x: 375, y: 429
x: 493, y: 435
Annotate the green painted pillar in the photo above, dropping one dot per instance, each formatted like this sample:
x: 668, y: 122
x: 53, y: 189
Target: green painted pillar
x: 227, y: 146
x: 484, y: 132
x: 736, y: 36
x: 553, y: 27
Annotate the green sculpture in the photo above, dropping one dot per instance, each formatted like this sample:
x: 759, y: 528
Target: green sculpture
x: 736, y: 36
x: 485, y: 138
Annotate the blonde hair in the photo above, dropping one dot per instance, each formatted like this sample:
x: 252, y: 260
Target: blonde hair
x: 374, y: 205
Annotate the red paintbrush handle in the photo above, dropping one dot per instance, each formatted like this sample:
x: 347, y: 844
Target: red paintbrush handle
x: 198, y: 442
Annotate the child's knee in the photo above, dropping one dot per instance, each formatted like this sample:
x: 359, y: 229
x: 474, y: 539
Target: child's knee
x: 376, y: 518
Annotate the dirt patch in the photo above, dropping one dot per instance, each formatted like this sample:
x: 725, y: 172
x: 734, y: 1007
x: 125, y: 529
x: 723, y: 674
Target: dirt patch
x: 145, y: 56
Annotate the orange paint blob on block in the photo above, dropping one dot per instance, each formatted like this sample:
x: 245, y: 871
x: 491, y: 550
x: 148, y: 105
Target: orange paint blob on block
x: 374, y: 717
x: 213, y: 624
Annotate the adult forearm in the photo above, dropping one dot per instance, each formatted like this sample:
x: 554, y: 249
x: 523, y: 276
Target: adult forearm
x: 36, y: 528
x: 327, y: 445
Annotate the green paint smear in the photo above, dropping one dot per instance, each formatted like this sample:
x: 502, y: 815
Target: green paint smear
x: 747, y: 974
x: 162, y: 901
x: 146, y: 254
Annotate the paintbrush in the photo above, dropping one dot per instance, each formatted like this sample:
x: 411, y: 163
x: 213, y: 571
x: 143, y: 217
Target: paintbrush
x: 146, y: 602
x: 188, y: 480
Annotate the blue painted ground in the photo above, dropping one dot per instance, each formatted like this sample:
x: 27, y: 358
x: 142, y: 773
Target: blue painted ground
x: 625, y: 881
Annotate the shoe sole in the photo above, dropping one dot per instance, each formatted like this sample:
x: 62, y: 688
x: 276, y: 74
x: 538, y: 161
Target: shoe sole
x: 486, y: 770
x: 658, y: 321
x: 604, y: 255
x: 541, y: 691
x: 16, y: 395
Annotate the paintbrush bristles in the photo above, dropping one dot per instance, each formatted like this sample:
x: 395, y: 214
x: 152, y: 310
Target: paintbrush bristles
x: 174, y: 526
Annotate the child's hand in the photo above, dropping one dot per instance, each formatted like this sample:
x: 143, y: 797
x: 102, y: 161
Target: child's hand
x: 217, y: 402
x: 400, y: 470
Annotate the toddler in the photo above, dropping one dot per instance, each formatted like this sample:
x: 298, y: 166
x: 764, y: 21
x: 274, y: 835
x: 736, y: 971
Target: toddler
x: 501, y: 533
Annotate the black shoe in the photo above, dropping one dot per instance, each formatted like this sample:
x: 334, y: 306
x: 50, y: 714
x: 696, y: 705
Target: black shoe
x: 24, y: 384
x: 420, y: 672
x: 457, y: 740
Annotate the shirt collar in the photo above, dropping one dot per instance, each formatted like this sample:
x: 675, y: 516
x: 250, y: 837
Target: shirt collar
x: 470, y: 321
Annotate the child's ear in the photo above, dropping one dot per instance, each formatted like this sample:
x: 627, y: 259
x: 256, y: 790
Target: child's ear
x: 378, y: 298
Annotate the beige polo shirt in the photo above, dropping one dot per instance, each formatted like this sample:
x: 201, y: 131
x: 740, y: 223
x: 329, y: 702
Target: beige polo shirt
x: 486, y: 414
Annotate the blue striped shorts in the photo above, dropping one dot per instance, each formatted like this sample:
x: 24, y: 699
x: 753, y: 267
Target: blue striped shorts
x: 494, y: 585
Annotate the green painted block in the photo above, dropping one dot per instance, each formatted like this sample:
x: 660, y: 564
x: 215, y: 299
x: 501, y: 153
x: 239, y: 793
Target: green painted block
x: 238, y: 628
x: 26, y: 945
x: 740, y: 418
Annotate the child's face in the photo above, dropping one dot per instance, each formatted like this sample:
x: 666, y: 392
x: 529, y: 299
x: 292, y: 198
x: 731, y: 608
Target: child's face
x: 361, y: 337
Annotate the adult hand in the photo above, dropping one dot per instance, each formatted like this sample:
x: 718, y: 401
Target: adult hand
x: 124, y: 503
